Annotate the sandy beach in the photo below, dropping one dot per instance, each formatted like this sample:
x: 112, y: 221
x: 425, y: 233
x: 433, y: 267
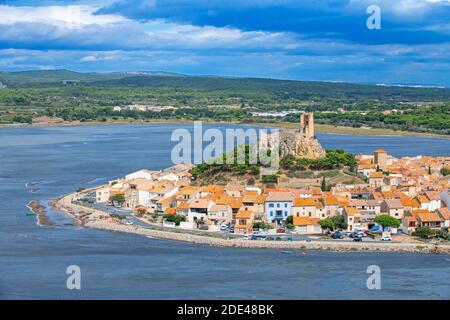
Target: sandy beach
x: 92, y: 218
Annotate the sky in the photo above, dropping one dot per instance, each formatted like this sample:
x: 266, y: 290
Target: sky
x: 326, y: 40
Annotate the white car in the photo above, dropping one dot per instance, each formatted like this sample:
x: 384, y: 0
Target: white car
x: 386, y: 237
x: 223, y: 227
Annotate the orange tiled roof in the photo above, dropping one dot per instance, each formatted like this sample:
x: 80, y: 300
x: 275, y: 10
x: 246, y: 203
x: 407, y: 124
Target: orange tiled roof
x: 244, y: 214
x: 429, y: 217
x: 305, y: 221
x: 171, y: 211
x: 304, y: 202
x: 376, y: 175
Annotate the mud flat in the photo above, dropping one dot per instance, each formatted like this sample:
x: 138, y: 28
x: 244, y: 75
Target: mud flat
x: 92, y: 218
x: 40, y: 211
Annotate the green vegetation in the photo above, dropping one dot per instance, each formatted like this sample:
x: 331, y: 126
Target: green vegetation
x: 327, y: 224
x: 445, y: 171
x: 333, y: 223
x: 387, y: 221
x: 92, y: 96
x: 118, y: 198
x: 214, y: 166
x: 174, y: 218
x: 261, y: 225
x: 333, y: 159
x: 427, y: 233
x: 433, y: 119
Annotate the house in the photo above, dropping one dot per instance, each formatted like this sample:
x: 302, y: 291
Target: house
x: 144, y: 173
x: 425, y: 202
x: 220, y: 213
x: 306, y: 225
x: 255, y: 202
x: 150, y: 193
x: 430, y: 220
x: 352, y: 217
x: 409, y: 223
x: 367, y: 168
x: 393, y: 207
x: 376, y: 179
x: 234, y: 190
x: 182, y: 208
x: 102, y: 195
x: 444, y: 214
x: 435, y: 200
x: 187, y: 193
x: 244, y: 221
x: 304, y: 207
x: 331, y: 205
x: 278, y: 206
x: 198, y: 209
x: 380, y: 158
x: 409, y: 205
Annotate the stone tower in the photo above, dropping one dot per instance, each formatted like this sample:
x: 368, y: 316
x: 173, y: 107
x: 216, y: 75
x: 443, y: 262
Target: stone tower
x: 307, y: 124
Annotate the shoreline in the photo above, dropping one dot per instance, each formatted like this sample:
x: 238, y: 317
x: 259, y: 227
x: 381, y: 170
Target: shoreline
x: 322, y: 128
x: 96, y: 219
x: 40, y: 211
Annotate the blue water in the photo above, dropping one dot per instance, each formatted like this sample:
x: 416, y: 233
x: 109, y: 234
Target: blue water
x: 57, y: 160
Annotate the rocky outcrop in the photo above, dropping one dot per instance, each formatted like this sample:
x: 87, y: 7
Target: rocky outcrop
x: 298, y: 145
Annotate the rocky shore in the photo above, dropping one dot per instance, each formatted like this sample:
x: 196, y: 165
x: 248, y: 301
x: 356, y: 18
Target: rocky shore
x: 40, y: 211
x: 97, y: 219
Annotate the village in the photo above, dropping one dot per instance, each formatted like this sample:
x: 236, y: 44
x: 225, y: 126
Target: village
x: 410, y: 190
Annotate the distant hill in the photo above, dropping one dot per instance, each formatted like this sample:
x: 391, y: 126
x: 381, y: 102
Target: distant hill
x: 284, y: 89
x: 52, y: 77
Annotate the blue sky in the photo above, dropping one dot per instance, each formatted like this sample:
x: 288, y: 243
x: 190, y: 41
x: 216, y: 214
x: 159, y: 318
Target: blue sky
x: 287, y: 39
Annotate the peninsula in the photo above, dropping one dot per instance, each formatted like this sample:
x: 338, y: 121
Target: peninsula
x: 320, y: 199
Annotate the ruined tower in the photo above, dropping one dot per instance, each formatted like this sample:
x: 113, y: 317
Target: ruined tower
x: 307, y: 124
x: 299, y: 143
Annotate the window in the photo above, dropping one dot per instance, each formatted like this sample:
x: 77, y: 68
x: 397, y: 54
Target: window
x: 285, y: 205
x: 285, y: 213
x: 271, y: 213
x: 278, y: 205
x: 270, y: 205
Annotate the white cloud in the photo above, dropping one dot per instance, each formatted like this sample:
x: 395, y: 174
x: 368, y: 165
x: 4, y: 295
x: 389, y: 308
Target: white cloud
x: 61, y: 16
x: 88, y: 59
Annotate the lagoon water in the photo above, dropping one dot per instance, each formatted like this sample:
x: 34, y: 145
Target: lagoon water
x: 42, y: 163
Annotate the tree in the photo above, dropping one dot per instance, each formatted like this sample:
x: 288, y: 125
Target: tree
x: 327, y: 223
x: 118, y: 198
x: 323, y: 185
x: 174, y: 218
x: 423, y: 232
x: 387, y: 221
x: 445, y: 171
x: 339, y: 222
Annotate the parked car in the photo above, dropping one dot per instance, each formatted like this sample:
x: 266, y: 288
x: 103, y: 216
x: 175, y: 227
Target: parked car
x: 223, y: 227
x: 278, y: 239
x: 270, y: 238
x: 203, y: 227
x: 357, y: 238
x: 245, y: 238
x: 386, y: 237
x: 254, y: 238
x: 337, y: 235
